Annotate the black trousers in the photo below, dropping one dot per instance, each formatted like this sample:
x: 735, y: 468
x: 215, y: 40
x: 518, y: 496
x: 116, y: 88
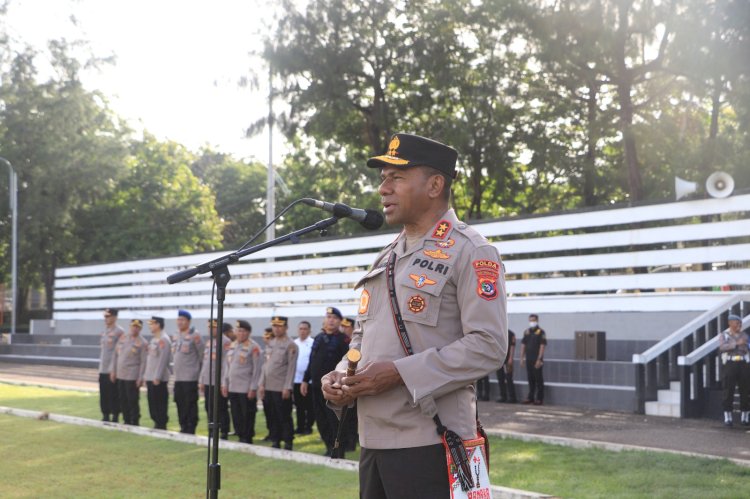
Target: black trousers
x: 303, y: 404
x: 736, y: 374
x: 186, y: 398
x: 536, y: 382
x: 243, y: 415
x: 223, y: 409
x: 130, y: 401
x: 279, y: 417
x: 109, y: 400
x: 325, y: 418
x: 483, y: 388
x: 158, y: 399
x: 415, y: 473
x: 507, y: 387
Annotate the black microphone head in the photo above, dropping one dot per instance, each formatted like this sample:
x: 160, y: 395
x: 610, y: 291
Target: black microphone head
x: 373, y: 220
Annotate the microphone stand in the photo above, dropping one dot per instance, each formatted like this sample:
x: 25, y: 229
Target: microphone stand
x: 221, y: 276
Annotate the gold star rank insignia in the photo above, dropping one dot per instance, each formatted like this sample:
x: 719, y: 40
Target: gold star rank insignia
x: 441, y: 230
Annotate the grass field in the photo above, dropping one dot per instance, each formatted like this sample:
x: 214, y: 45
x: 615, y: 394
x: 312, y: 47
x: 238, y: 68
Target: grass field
x: 551, y: 469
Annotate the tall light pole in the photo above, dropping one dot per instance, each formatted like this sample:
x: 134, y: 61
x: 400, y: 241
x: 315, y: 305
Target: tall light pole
x: 13, y: 188
x: 270, y: 198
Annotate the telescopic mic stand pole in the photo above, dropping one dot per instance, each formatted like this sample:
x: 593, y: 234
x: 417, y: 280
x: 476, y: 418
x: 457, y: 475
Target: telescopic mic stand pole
x: 353, y: 357
x: 221, y: 278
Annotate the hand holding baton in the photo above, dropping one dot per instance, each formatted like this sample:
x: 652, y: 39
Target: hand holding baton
x: 353, y: 357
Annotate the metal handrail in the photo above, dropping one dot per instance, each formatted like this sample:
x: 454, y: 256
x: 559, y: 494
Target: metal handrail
x: 686, y: 330
x: 706, y: 348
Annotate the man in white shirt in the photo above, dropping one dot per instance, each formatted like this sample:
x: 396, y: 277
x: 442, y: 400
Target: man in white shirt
x: 303, y: 403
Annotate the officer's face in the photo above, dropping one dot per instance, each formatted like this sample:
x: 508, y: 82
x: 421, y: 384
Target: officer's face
x: 332, y: 322
x: 278, y: 331
x: 403, y: 194
x: 154, y: 327
x: 734, y: 326
x: 241, y: 334
x: 135, y: 330
x: 109, y: 319
x: 303, y: 331
x: 182, y: 323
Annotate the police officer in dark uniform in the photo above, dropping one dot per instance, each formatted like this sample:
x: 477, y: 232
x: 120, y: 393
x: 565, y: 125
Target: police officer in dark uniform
x: 329, y: 347
x: 505, y: 373
x: 532, y: 355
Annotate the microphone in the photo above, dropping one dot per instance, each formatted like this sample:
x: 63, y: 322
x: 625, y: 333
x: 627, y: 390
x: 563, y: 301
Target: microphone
x: 369, y: 219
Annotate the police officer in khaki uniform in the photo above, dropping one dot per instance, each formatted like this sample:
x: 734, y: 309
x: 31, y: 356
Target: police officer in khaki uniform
x: 448, y: 283
x: 127, y: 369
x: 108, y: 399
x: 735, y: 356
x: 206, y: 378
x: 157, y: 372
x: 240, y: 381
x: 187, y: 352
x: 277, y: 381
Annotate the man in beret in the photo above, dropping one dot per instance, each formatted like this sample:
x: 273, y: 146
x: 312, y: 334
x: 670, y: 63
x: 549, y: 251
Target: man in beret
x: 733, y: 346
x: 108, y: 399
x: 127, y: 369
x: 187, y: 351
x: 327, y: 349
x: 208, y: 375
x: 448, y: 295
x: 157, y: 372
x: 277, y: 381
x: 347, y: 327
x: 240, y: 381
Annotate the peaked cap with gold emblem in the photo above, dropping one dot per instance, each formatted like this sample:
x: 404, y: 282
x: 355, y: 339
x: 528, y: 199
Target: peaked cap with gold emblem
x: 406, y: 150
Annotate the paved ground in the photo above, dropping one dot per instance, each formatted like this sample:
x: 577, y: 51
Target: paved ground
x: 685, y: 435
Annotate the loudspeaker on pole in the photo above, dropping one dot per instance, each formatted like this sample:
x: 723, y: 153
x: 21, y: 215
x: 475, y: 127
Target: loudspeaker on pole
x: 683, y: 188
x: 719, y: 185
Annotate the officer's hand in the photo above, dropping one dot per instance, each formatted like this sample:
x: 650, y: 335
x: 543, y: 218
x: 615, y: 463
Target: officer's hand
x: 303, y: 389
x: 523, y: 362
x: 374, y: 378
x: 112, y: 377
x: 538, y: 364
x: 224, y: 391
x: 509, y: 368
x: 331, y: 386
x: 139, y: 383
x: 286, y: 394
x: 202, y: 388
x: 157, y: 382
x: 261, y: 392
x: 250, y: 394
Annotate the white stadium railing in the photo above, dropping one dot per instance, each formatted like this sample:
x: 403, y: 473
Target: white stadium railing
x: 655, y: 257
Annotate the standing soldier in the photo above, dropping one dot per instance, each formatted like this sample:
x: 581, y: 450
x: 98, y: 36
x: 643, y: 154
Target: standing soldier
x: 277, y: 381
x: 127, y: 368
x: 532, y: 354
x: 187, y: 351
x: 240, y: 381
x: 108, y: 399
x: 157, y: 372
x: 733, y: 345
x: 328, y: 348
x: 505, y: 373
x: 206, y: 379
x: 267, y: 337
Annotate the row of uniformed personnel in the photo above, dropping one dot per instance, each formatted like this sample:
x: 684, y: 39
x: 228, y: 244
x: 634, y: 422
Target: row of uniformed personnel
x: 129, y: 360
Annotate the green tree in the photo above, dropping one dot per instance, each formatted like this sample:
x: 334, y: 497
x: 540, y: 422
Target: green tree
x: 157, y: 208
x: 66, y: 146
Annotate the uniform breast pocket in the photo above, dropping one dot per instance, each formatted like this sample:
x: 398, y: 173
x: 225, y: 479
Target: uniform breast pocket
x: 420, y: 294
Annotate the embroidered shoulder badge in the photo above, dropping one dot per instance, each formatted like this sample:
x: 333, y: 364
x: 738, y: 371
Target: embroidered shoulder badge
x: 442, y: 228
x: 417, y: 304
x: 364, y: 302
x: 422, y: 280
x: 437, y: 254
x: 488, y: 273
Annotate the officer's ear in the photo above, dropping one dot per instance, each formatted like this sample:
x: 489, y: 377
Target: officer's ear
x: 435, y: 183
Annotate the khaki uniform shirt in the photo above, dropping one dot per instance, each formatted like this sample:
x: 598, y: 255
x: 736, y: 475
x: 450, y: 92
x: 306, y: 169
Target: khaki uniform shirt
x: 207, y: 378
x: 450, y: 288
x: 107, y: 343
x: 279, y: 365
x: 129, y: 358
x: 187, y: 352
x: 244, y: 364
x: 157, y: 361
